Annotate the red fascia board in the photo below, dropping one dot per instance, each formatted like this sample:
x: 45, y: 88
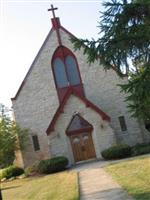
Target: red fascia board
x: 58, y: 112
x: 30, y: 69
x: 90, y: 127
x: 83, y: 130
x: 61, y: 107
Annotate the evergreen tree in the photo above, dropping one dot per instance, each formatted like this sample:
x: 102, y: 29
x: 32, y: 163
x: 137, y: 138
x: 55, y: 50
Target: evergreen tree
x: 124, y: 45
x: 12, y: 138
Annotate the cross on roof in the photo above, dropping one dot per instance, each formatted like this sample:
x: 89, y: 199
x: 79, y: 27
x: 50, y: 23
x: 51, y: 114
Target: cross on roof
x: 52, y: 9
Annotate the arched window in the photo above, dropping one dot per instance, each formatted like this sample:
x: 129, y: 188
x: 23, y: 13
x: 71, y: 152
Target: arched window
x: 60, y: 73
x: 72, y: 71
x: 66, y: 72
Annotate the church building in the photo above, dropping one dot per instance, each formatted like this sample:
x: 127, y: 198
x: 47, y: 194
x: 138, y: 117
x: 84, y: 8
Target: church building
x: 72, y: 108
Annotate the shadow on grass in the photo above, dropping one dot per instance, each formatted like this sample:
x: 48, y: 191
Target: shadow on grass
x: 12, y: 187
x: 32, y: 178
x: 142, y: 196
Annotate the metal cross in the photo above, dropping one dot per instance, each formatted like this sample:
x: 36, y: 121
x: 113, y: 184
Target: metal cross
x: 52, y: 9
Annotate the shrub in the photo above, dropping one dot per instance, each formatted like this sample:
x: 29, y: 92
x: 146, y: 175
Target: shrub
x: 53, y: 165
x: 11, y: 171
x: 140, y: 149
x: 117, y: 151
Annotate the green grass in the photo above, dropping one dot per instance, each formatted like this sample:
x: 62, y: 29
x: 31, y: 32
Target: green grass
x: 59, y: 186
x: 133, y: 176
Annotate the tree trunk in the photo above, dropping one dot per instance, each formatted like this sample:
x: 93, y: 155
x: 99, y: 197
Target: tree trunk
x: 0, y: 194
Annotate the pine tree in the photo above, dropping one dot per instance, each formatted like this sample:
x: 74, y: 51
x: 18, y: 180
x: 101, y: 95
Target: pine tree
x: 124, y: 45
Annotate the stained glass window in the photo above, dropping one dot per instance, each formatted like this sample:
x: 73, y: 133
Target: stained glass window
x: 60, y: 73
x: 72, y: 70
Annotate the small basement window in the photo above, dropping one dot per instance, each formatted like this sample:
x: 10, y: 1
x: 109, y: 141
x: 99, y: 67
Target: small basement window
x: 36, y: 144
x: 122, y: 123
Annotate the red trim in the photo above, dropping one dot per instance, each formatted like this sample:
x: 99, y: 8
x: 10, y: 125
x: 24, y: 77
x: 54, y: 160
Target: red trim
x: 30, y: 69
x: 55, y: 22
x: 81, y: 130
x: 70, y: 91
x: 61, y: 52
x: 61, y: 92
x: 56, y: 25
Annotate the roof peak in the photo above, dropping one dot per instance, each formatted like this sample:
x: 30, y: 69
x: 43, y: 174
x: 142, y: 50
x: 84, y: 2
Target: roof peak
x: 56, y: 23
x: 55, y: 20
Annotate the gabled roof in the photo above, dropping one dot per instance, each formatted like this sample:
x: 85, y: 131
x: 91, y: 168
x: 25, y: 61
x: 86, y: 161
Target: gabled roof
x: 49, y: 34
x: 30, y: 69
x: 78, y: 125
x: 83, y: 99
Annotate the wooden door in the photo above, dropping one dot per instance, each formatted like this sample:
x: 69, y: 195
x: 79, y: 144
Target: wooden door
x: 82, y: 146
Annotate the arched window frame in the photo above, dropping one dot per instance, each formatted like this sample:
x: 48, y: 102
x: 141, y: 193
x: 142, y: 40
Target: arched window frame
x: 61, y: 53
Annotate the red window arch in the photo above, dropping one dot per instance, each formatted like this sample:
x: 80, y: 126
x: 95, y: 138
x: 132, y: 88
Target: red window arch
x: 66, y: 71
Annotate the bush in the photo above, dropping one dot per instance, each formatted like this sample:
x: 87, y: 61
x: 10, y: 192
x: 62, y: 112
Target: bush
x: 11, y: 171
x: 117, y: 151
x: 53, y: 165
x: 140, y: 149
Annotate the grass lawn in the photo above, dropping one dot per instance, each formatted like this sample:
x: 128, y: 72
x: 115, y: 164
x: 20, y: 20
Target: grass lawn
x: 59, y: 186
x: 133, y: 176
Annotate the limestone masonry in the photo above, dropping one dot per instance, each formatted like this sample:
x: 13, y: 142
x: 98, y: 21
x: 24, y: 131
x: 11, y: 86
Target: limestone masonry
x: 37, y: 101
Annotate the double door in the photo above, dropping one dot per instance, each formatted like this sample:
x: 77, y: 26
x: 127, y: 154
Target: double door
x: 82, y: 146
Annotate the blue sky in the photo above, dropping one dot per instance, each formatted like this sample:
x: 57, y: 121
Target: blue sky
x: 23, y: 28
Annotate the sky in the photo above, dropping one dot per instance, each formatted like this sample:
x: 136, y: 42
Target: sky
x: 24, y: 26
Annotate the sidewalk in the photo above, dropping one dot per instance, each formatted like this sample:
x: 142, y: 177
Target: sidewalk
x: 96, y: 184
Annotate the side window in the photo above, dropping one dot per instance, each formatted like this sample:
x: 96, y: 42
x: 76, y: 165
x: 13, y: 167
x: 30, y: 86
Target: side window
x: 36, y: 144
x: 122, y: 123
x: 147, y: 125
x: 60, y: 73
x: 72, y: 70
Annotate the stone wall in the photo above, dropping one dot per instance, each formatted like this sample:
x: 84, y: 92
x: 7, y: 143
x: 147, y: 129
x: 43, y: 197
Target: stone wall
x: 102, y: 134
x: 101, y: 88
x: 37, y: 101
